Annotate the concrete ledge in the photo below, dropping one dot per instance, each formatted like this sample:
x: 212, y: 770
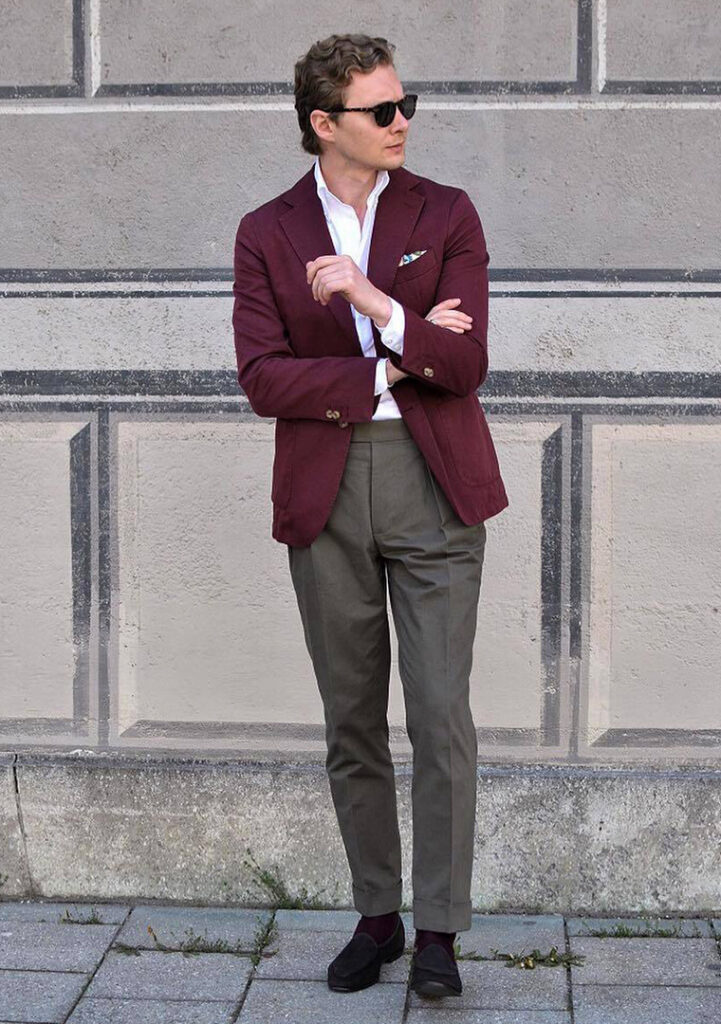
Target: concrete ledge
x: 571, y: 839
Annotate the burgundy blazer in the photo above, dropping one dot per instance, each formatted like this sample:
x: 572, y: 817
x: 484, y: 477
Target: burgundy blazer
x: 302, y: 363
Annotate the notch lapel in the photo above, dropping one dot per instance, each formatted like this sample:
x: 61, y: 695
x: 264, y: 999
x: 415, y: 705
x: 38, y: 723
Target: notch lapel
x: 399, y: 208
x: 308, y: 233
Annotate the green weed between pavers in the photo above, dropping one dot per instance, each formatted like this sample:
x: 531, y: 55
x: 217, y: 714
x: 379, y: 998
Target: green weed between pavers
x: 194, y: 945
x: 623, y: 931
x: 281, y: 898
x: 528, y: 961
x: 67, y: 918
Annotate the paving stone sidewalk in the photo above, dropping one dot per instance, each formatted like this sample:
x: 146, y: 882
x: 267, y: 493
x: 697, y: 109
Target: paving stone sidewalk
x: 106, y: 963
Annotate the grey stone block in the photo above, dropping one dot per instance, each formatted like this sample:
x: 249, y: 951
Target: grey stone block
x: 620, y: 836
x: 36, y: 42
x: 38, y: 996
x: 679, y: 40
x: 58, y: 913
x: 543, y: 181
x: 646, y: 962
x: 149, y: 975
x: 498, y: 39
x: 27, y: 945
x: 157, y: 837
x: 689, y: 928
x: 151, y: 1011
x: 494, y: 986
x: 305, y: 955
x: 312, y: 1002
x: 663, y: 1004
x: 177, y: 926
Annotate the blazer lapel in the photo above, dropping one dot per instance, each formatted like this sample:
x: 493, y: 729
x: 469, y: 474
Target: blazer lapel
x: 308, y: 233
x: 399, y: 207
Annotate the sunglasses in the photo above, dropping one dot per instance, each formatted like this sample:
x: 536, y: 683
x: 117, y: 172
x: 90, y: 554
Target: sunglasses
x: 385, y: 112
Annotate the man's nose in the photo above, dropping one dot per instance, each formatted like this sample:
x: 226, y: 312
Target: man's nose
x: 399, y: 121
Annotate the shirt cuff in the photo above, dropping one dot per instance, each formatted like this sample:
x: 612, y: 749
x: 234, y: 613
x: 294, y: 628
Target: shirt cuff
x: 381, y: 377
x: 392, y: 333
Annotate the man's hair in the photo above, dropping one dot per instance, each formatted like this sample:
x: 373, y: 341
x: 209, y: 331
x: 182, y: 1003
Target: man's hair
x: 326, y: 69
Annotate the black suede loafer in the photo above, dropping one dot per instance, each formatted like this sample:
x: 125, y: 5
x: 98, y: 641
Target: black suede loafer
x: 434, y: 972
x: 358, y: 964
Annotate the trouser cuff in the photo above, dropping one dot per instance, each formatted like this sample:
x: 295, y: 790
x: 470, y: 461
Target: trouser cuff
x: 378, y: 901
x: 442, y: 917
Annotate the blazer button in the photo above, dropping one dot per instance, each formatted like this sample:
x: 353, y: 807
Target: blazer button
x: 329, y: 414
x: 428, y: 370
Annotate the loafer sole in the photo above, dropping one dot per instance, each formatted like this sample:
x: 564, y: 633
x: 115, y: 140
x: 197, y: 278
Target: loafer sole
x: 430, y: 988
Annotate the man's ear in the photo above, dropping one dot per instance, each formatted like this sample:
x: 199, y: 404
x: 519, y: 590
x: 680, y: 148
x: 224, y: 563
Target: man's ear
x: 321, y: 125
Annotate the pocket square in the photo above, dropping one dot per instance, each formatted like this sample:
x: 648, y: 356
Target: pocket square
x: 408, y: 257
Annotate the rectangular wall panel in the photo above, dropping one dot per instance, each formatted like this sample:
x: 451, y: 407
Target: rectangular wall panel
x: 674, y: 40
x: 36, y: 42
x: 161, y: 42
x: 47, y: 625
x: 205, y: 630
x: 653, y: 581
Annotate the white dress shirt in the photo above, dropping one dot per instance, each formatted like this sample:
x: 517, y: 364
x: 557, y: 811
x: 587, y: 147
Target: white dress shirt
x: 350, y: 239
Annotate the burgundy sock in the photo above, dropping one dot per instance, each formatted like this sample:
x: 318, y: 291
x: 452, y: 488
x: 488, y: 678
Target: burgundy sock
x: 380, y: 927
x: 425, y: 935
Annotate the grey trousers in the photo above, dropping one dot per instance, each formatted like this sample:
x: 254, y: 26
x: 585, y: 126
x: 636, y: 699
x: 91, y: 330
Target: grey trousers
x: 391, y: 519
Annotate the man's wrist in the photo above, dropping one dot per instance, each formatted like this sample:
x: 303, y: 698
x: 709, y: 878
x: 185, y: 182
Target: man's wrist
x: 382, y: 318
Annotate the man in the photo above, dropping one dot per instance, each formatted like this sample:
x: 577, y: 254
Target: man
x: 349, y: 331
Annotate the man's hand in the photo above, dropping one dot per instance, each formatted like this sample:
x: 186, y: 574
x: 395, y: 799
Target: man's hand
x: 329, y: 274
x: 452, y: 319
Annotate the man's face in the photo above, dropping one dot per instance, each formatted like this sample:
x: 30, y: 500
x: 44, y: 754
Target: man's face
x: 357, y: 139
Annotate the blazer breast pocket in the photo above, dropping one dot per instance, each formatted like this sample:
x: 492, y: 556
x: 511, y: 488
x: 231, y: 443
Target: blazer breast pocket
x: 416, y: 268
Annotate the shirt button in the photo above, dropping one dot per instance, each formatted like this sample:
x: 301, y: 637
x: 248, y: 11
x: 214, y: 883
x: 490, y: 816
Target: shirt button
x: 428, y: 370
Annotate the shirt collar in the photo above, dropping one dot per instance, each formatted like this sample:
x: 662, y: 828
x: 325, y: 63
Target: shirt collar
x: 382, y: 179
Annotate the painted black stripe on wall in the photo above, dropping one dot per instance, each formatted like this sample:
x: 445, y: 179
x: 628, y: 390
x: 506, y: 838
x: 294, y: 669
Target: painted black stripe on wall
x: 618, y: 275
x: 499, y: 383
x: 660, y: 88
x: 552, y: 612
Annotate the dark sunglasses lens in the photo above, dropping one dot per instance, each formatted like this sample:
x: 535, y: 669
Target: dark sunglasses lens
x: 408, y: 105
x: 385, y: 112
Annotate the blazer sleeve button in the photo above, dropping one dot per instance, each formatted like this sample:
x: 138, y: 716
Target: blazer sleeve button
x: 329, y: 414
x: 343, y: 423
x: 336, y: 414
x: 428, y: 370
